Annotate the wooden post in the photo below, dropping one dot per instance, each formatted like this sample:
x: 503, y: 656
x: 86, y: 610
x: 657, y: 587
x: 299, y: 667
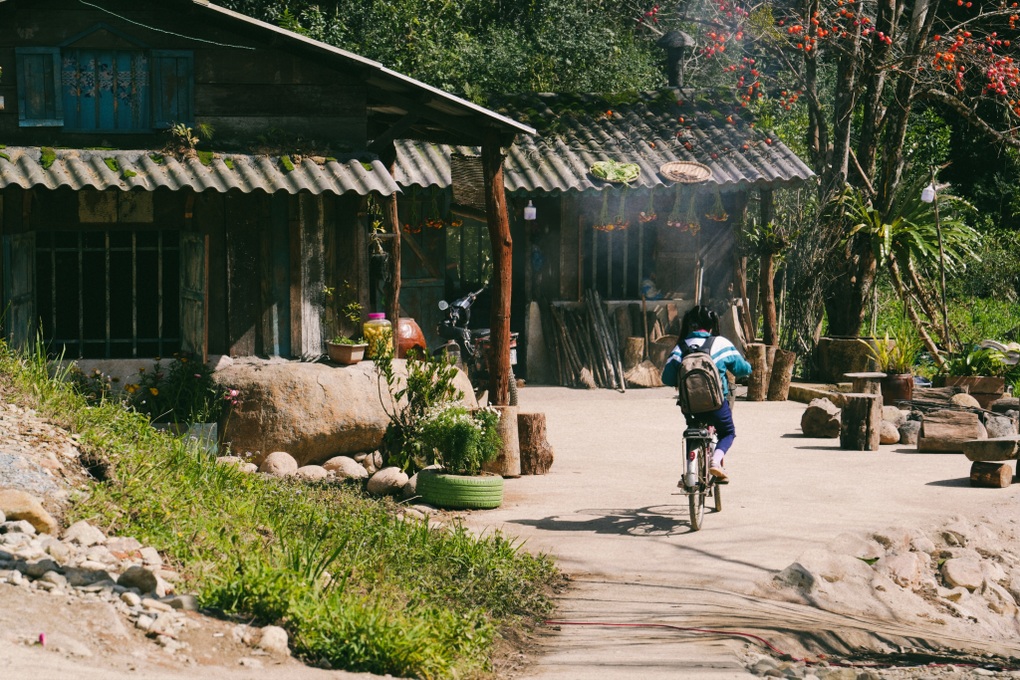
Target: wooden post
x: 758, y: 385
x: 508, y: 462
x: 991, y: 475
x: 502, y: 259
x: 949, y: 430
x: 861, y: 422
x: 536, y: 453
x: 782, y: 374
x: 392, y: 216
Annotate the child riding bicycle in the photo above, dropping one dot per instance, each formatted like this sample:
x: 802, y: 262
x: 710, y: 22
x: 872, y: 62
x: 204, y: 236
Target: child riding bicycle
x: 700, y: 329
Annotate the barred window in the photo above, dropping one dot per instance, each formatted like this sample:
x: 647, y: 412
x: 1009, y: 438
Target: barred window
x: 109, y: 293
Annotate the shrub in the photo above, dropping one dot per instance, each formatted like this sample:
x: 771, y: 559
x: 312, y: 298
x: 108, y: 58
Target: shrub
x: 184, y: 392
x: 459, y: 440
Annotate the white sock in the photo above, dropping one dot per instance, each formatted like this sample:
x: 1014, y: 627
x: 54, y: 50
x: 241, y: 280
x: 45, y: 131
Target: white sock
x: 717, y: 458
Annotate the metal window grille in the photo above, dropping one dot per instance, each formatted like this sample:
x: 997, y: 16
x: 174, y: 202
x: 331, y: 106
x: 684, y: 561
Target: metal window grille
x: 109, y: 293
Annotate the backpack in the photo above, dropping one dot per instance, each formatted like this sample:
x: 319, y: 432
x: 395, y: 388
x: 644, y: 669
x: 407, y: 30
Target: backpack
x: 698, y: 380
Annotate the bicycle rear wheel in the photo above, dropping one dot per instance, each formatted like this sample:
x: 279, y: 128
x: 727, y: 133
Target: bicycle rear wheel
x: 696, y: 499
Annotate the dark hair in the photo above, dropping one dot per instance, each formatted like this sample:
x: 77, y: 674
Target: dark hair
x: 699, y: 318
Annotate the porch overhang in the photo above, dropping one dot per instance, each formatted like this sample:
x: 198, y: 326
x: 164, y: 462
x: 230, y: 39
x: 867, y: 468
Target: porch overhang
x: 148, y: 170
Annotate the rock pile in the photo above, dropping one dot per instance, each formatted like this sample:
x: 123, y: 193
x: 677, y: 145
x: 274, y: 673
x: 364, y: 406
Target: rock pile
x: 84, y: 563
x: 956, y: 578
x: 367, y: 468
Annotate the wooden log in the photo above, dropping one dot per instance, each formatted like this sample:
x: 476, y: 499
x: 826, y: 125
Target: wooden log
x: 508, y: 462
x: 866, y: 382
x: 633, y: 352
x: 947, y: 430
x: 536, y: 452
x: 758, y: 384
x: 936, y: 393
x: 991, y: 475
x: 861, y: 422
x: 782, y: 374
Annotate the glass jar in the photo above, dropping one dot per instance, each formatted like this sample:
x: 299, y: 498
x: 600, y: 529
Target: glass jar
x: 376, y: 330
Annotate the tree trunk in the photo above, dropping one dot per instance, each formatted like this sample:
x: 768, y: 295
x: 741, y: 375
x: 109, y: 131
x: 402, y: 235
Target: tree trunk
x: 758, y: 384
x: 502, y: 276
x: 508, y: 462
x: 991, y: 475
x: 861, y: 422
x: 767, y: 275
x: 536, y: 453
x: 782, y: 374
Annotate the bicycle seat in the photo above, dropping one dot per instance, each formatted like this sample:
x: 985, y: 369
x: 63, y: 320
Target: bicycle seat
x: 696, y: 433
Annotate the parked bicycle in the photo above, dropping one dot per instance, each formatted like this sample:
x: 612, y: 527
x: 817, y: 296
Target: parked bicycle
x: 697, y: 484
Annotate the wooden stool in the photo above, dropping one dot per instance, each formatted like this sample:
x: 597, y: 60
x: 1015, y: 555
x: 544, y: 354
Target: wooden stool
x: 866, y: 382
x: 861, y: 424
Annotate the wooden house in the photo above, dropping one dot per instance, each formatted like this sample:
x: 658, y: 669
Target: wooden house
x: 127, y: 234
x: 670, y: 234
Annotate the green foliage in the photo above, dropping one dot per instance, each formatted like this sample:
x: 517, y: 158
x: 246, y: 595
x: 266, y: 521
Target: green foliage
x: 356, y: 587
x: 183, y: 392
x: 896, y: 353
x: 47, y: 157
x: 459, y: 440
x: 428, y: 386
x: 95, y: 387
x: 978, y: 361
x: 342, y: 313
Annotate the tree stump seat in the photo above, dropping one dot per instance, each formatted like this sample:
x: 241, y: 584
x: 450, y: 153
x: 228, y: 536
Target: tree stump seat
x: 866, y: 382
x: 992, y: 450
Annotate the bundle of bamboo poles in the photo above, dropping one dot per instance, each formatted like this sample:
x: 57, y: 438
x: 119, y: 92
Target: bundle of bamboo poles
x: 584, y: 344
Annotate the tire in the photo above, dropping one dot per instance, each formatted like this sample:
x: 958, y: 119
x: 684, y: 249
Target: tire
x: 696, y: 499
x: 460, y: 491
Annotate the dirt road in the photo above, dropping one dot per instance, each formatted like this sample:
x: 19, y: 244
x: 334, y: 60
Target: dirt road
x: 606, y: 512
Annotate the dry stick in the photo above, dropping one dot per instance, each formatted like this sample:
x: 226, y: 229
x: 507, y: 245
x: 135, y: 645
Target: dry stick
x: 598, y: 339
x: 614, y: 346
x: 575, y: 363
x: 595, y: 305
x: 561, y: 347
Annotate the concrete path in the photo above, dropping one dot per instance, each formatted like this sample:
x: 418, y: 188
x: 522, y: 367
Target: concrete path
x: 607, y: 512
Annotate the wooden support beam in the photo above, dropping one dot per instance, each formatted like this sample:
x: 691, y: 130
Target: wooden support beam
x: 502, y: 259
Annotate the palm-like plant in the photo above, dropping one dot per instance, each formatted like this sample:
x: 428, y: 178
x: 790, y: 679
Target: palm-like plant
x: 906, y: 241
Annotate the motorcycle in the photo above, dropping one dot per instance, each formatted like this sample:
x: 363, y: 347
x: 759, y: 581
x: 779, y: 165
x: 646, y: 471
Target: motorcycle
x: 470, y: 348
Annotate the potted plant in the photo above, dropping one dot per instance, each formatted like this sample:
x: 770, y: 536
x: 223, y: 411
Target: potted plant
x: 342, y: 316
x: 895, y: 356
x: 981, y: 371
x: 432, y: 433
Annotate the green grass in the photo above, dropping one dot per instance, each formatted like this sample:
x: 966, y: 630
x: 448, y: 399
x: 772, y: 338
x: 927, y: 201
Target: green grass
x: 357, y: 588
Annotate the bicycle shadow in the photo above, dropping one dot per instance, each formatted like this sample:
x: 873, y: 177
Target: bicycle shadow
x: 652, y: 520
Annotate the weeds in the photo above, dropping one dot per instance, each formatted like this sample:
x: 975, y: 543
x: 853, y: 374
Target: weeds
x: 356, y: 587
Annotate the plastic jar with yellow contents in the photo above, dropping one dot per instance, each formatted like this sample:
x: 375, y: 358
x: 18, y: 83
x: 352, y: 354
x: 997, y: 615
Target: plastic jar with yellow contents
x: 377, y: 330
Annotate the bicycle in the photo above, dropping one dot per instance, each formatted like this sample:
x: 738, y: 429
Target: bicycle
x: 697, y: 483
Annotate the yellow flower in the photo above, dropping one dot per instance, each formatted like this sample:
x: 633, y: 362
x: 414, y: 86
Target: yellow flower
x: 153, y: 391
x: 131, y: 388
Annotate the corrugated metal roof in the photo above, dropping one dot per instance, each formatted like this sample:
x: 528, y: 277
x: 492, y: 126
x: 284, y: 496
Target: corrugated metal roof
x: 649, y: 129
x: 148, y: 170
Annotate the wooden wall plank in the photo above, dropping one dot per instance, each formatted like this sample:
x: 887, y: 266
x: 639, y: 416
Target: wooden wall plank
x: 242, y: 279
x: 209, y: 219
x: 311, y: 218
x: 569, y: 247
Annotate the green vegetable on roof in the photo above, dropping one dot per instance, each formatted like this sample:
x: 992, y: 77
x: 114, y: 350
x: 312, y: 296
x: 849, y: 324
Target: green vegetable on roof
x: 613, y: 171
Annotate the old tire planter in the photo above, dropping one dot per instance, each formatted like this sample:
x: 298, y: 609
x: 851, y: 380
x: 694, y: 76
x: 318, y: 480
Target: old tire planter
x: 460, y: 491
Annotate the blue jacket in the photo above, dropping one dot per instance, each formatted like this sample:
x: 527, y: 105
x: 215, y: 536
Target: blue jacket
x: 724, y: 354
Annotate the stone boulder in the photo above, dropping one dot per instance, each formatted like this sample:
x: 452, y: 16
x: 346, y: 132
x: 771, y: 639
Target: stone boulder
x: 909, y: 431
x: 820, y: 419
x: 345, y: 467
x: 894, y: 415
x: 279, y: 464
x: 965, y: 400
x: 888, y: 433
x: 387, y: 482
x: 999, y: 425
x: 313, y: 411
x: 18, y: 505
x: 311, y: 473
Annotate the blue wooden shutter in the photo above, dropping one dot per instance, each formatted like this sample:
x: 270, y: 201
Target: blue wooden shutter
x: 39, y: 101
x: 105, y: 90
x: 172, y: 78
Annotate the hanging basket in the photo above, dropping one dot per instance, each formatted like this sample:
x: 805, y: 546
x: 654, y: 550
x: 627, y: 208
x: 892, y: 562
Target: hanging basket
x: 685, y: 172
x: 468, y: 180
